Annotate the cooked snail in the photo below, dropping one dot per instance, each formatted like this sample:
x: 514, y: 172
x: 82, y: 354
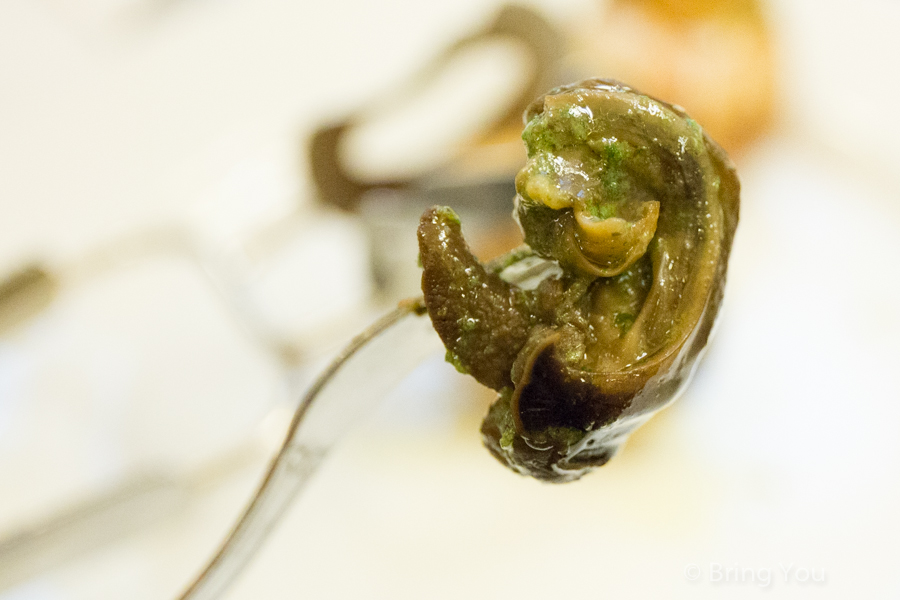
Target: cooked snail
x: 628, y: 211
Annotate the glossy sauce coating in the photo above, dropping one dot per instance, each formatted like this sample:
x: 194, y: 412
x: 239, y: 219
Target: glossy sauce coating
x: 631, y: 209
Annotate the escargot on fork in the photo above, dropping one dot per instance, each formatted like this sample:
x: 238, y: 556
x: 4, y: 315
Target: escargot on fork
x: 596, y: 323
x: 630, y: 209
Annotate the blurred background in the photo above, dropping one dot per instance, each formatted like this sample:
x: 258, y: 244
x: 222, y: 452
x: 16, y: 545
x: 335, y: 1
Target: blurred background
x: 201, y: 202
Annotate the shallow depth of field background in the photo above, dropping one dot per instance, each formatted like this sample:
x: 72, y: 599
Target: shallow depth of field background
x: 119, y: 117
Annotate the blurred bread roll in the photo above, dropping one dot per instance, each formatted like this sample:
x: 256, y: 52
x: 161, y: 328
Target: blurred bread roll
x: 715, y: 58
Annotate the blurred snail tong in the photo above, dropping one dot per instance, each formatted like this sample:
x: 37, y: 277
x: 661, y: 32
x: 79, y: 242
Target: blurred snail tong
x: 533, y: 36
x: 475, y: 176
x: 628, y: 210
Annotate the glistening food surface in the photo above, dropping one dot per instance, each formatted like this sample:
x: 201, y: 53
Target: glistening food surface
x: 628, y: 211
